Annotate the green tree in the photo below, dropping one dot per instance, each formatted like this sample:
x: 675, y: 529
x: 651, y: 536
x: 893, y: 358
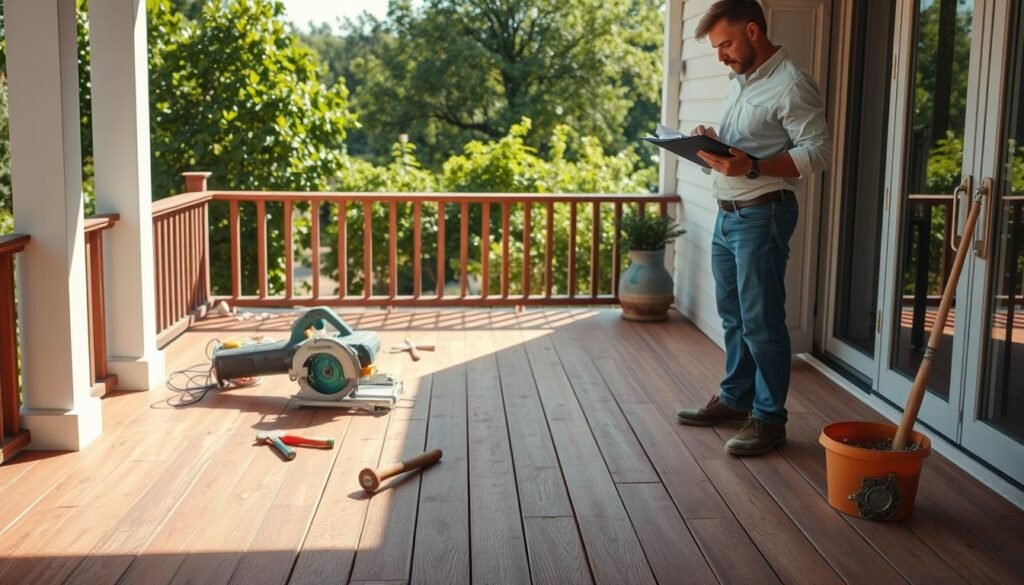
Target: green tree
x: 450, y: 71
x: 234, y: 93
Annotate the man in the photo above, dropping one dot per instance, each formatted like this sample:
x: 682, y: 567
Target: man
x: 774, y: 120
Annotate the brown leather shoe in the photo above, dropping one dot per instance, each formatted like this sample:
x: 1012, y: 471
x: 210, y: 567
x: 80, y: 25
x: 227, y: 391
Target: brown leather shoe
x: 713, y: 413
x: 756, y: 437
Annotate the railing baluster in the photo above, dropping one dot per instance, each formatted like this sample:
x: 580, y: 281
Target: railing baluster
x: 527, y: 220
x: 194, y: 268
x: 289, y: 249
x: 417, y: 249
x: 393, y: 250
x: 177, y: 265
x: 441, y: 212
x: 205, y: 259
x: 595, y: 244
x: 236, y: 253
x: 572, y: 250
x: 342, y: 249
x: 314, y: 244
x: 505, y: 237
x: 164, y: 294
x: 464, y: 250
x: 190, y: 259
x: 157, y: 273
x: 367, y: 249
x: 97, y: 317
x: 485, y: 249
x: 549, y: 250
x: 616, y: 254
x: 8, y: 348
x: 261, y: 248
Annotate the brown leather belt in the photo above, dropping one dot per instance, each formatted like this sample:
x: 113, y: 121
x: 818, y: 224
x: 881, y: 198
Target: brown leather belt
x: 762, y: 199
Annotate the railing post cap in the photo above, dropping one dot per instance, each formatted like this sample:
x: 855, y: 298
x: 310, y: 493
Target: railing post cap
x: 203, y: 174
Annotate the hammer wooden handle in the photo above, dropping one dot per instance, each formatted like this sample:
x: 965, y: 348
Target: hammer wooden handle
x: 413, y: 351
x: 370, y: 479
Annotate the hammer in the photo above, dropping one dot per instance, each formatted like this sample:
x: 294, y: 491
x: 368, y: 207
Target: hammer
x: 274, y: 438
x: 369, y: 479
x: 412, y: 349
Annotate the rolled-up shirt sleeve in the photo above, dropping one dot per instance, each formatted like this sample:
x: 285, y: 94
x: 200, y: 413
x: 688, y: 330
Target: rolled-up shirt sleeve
x: 802, y: 114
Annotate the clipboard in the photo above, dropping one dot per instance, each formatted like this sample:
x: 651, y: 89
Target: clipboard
x: 688, y: 146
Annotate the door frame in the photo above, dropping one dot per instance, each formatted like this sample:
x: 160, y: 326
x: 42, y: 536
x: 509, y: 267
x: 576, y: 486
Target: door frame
x: 976, y: 435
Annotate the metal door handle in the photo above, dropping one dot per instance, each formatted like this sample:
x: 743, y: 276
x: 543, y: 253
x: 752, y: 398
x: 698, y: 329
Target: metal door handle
x: 984, y: 194
x: 963, y: 188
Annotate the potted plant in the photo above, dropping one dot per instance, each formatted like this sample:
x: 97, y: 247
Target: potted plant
x: 645, y: 288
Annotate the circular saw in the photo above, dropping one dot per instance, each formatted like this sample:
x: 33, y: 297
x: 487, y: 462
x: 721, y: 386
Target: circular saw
x: 332, y: 368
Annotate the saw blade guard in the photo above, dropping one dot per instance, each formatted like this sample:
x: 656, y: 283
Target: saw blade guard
x: 325, y: 369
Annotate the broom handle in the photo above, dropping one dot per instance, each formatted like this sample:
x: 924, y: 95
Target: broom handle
x: 924, y: 371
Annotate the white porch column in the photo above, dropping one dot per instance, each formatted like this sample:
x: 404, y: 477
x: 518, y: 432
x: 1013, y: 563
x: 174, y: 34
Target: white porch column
x: 120, y: 114
x: 46, y: 176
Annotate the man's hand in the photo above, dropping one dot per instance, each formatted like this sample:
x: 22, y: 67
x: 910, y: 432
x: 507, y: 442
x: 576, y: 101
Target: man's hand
x: 704, y: 131
x: 731, y: 166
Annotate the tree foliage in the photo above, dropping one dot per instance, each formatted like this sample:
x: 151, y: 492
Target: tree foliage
x: 450, y: 71
x: 235, y: 94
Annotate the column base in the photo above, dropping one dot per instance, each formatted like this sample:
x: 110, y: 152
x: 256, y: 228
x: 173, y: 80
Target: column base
x: 64, y: 430
x: 142, y: 373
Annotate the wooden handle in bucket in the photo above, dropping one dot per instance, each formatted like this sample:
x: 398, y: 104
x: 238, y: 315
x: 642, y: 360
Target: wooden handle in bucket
x: 924, y: 371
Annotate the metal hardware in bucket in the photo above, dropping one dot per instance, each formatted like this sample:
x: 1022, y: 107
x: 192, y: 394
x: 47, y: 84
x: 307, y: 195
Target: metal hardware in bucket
x: 873, y: 468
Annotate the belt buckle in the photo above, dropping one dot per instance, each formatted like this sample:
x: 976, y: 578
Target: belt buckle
x: 725, y: 204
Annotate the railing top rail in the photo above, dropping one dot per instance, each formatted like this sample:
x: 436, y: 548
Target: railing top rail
x: 440, y: 196
x: 101, y: 221
x: 13, y: 243
x: 179, y: 202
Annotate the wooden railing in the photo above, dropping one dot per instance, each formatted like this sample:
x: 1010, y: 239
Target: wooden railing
x: 180, y: 262
x: 94, y: 228
x: 183, y: 250
x: 438, y: 297
x: 14, y: 437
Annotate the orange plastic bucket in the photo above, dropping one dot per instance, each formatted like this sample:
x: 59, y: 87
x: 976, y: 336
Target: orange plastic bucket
x: 879, y: 485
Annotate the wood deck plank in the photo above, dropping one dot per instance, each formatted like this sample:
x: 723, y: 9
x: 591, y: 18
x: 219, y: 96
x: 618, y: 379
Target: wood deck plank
x: 386, y: 544
x: 666, y: 539
x: 534, y: 407
x: 619, y: 446
x: 556, y: 553
x: 611, y: 542
x: 441, y: 553
x: 498, y: 544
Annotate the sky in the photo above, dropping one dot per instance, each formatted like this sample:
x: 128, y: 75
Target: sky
x: 301, y: 12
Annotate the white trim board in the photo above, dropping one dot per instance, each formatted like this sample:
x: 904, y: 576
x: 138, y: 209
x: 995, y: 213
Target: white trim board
x: 940, y: 445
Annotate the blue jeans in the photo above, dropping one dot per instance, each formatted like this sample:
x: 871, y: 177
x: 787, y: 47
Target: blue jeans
x: 749, y: 251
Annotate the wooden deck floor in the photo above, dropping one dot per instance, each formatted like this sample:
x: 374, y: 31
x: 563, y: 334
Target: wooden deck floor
x: 562, y: 464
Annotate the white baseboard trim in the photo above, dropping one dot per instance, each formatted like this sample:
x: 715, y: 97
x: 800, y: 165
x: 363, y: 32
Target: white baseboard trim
x: 948, y: 450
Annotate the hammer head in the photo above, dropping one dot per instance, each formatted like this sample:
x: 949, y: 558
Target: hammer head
x: 264, y: 436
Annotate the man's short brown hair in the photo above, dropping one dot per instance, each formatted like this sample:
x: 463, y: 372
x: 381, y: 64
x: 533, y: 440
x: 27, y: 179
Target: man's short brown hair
x: 735, y: 12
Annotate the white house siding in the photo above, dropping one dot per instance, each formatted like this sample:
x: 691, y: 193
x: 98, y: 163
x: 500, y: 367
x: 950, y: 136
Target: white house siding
x: 803, y: 27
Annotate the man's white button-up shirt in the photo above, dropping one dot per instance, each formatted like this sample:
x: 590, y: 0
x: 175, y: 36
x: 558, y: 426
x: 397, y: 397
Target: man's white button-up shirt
x: 773, y: 110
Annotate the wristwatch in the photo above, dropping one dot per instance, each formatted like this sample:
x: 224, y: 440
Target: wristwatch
x: 755, y: 170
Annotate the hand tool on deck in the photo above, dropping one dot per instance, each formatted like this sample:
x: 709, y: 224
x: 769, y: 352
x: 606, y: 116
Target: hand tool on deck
x: 275, y: 440
x: 369, y: 479
x: 333, y: 368
x: 412, y: 348
x: 297, y: 440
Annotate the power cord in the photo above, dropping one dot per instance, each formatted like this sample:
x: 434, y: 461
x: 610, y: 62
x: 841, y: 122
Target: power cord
x: 193, y: 383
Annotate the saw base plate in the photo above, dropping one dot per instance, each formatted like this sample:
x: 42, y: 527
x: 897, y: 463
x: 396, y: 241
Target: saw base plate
x: 367, y: 396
